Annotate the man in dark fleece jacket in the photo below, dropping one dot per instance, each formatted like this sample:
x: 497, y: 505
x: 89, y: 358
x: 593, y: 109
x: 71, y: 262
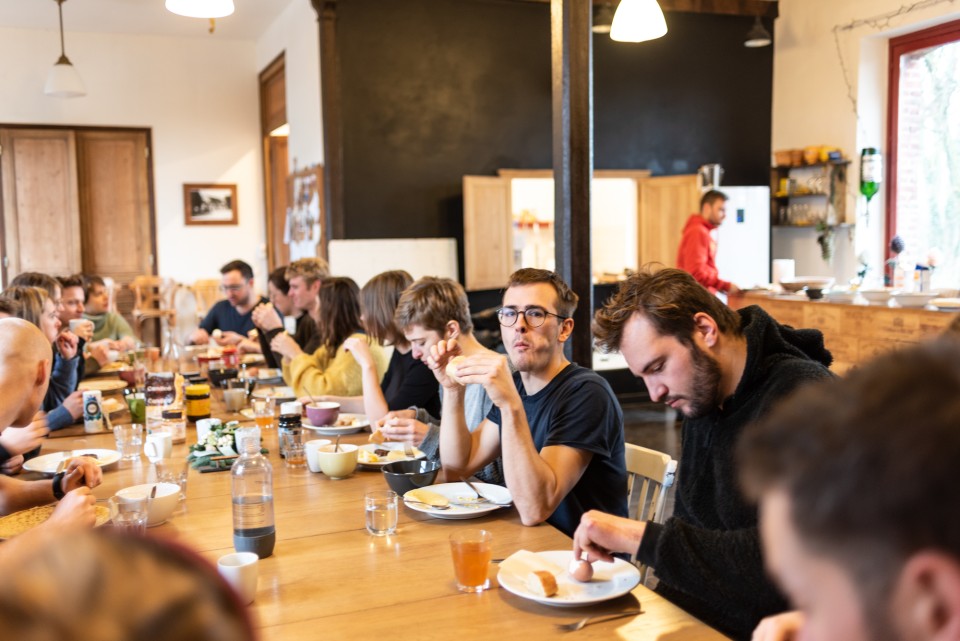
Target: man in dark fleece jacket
x: 722, y: 369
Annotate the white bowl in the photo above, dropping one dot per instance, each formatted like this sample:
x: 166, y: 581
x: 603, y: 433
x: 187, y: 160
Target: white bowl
x: 876, y: 296
x: 913, y: 299
x: 799, y: 282
x: 339, y: 464
x: 161, y: 506
x: 839, y: 295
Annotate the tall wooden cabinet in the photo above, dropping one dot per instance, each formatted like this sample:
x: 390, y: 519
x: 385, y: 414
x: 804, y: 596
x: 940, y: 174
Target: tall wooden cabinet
x: 663, y: 205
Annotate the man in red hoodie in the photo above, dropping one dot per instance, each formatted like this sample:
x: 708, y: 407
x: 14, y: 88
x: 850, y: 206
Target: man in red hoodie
x: 698, y: 250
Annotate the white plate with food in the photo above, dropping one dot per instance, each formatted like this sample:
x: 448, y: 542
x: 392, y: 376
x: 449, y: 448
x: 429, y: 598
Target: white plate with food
x: 112, y: 368
x: 610, y: 580
x: 101, y: 384
x: 379, y: 454
x: 25, y: 520
x: 252, y: 359
x: 278, y: 394
x: 345, y: 424
x: 461, y: 501
x: 946, y: 304
x: 112, y: 405
x: 47, y: 464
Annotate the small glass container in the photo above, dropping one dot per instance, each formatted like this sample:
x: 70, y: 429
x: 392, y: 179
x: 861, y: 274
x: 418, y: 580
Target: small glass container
x: 197, y: 397
x: 174, y: 424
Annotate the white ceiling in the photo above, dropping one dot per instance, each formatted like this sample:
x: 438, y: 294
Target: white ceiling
x: 148, y: 17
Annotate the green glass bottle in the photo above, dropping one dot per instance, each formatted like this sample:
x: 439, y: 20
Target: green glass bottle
x: 871, y: 172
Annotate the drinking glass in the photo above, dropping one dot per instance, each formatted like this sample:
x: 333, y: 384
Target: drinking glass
x: 173, y: 470
x: 243, y: 433
x: 296, y: 454
x: 129, y: 440
x: 263, y: 413
x: 381, y: 508
x: 137, y: 404
x: 129, y: 513
x: 235, y: 395
x: 471, y: 551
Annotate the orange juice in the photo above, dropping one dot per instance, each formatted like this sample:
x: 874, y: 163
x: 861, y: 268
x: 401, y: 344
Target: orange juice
x: 471, y: 551
x: 264, y: 422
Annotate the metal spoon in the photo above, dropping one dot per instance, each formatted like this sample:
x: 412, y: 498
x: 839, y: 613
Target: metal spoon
x: 336, y: 445
x: 429, y: 505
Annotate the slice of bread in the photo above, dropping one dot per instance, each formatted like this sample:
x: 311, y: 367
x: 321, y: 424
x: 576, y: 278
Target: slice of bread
x: 542, y: 583
x: 377, y: 437
x: 451, y: 368
x: 422, y: 495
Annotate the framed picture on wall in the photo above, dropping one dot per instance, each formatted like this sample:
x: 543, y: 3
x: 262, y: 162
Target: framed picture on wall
x: 210, y: 204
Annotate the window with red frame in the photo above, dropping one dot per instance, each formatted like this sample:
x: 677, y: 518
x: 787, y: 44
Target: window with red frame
x: 923, y: 186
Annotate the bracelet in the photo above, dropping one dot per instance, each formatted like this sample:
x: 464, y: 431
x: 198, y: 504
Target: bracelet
x: 58, y: 492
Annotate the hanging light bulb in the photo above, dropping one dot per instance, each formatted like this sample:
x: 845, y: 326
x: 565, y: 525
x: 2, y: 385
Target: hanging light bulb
x: 758, y: 36
x: 637, y: 21
x: 63, y: 81
x: 602, y: 18
x: 200, y: 8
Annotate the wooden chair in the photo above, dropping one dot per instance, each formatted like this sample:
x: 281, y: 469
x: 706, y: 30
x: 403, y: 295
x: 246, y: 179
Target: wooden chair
x: 153, y: 300
x: 111, y: 286
x: 649, y: 474
x: 206, y: 292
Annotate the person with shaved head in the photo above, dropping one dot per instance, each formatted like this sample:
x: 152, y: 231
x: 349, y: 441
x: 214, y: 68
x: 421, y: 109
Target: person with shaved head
x: 24, y: 375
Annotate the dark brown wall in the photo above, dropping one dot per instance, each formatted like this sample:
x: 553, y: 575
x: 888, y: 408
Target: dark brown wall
x: 435, y: 89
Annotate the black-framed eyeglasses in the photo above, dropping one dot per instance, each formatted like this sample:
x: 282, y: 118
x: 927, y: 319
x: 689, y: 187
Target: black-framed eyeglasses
x: 534, y: 316
x: 231, y: 288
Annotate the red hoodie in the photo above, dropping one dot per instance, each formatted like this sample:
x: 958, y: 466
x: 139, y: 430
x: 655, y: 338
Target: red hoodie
x: 698, y: 254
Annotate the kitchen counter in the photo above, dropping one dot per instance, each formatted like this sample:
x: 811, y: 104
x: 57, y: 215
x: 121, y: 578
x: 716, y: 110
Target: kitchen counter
x: 853, y: 332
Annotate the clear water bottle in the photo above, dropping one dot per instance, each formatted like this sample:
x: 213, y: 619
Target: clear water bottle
x: 252, y: 489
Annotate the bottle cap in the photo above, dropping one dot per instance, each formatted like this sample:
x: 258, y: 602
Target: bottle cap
x: 291, y: 407
x: 171, y: 412
x: 198, y: 389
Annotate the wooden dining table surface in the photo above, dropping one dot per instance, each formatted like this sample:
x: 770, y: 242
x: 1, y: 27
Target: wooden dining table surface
x: 329, y: 578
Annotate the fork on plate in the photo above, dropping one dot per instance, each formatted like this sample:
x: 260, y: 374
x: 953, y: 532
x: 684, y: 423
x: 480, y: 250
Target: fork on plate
x: 480, y: 496
x: 597, y: 618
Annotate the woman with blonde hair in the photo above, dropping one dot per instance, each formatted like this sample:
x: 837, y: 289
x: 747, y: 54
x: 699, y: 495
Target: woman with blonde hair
x: 408, y: 382
x: 330, y: 369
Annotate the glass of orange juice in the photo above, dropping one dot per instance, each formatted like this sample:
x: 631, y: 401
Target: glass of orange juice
x: 263, y: 414
x: 472, y: 550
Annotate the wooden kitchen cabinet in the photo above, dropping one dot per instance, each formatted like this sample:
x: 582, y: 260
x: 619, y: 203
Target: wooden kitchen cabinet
x: 662, y: 207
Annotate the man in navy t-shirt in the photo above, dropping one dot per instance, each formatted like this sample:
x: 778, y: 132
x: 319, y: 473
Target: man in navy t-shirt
x: 232, y: 316
x: 557, y: 426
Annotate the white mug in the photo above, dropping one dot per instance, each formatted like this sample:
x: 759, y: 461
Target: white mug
x: 204, y: 425
x: 311, y: 448
x: 240, y: 571
x: 159, y: 445
x: 76, y: 323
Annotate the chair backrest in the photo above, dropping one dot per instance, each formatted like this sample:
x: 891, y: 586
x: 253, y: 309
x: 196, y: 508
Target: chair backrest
x: 207, y: 293
x: 649, y: 474
x: 152, y: 294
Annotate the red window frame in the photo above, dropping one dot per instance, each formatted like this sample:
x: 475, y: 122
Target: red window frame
x: 923, y: 39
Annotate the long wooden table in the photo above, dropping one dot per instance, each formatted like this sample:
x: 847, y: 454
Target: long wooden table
x: 329, y: 578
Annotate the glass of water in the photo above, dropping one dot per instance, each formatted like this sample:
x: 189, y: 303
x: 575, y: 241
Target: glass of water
x: 174, y: 470
x: 129, y: 440
x: 381, y: 507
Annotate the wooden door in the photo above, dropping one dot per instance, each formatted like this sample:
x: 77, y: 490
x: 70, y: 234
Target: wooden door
x: 665, y: 204
x: 487, y: 232
x: 40, y: 206
x: 115, y: 207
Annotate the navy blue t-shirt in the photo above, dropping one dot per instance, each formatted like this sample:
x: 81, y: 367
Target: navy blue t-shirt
x: 226, y: 318
x: 579, y: 410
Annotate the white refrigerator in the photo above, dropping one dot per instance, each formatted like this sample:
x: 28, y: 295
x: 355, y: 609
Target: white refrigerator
x: 743, y: 252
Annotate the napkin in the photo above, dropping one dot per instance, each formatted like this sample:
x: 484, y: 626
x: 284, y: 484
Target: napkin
x: 521, y: 563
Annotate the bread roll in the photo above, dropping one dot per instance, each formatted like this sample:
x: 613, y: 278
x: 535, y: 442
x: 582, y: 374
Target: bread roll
x: 422, y: 495
x: 542, y: 583
x: 377, y: 437
x: 451, y: 369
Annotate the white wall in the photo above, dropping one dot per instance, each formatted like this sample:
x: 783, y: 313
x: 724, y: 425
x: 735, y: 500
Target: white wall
x: 199, y: 98
x: 296, y: 32
x: 812, y: 105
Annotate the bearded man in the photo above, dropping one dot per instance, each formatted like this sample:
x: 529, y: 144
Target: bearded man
x: 721, y: 369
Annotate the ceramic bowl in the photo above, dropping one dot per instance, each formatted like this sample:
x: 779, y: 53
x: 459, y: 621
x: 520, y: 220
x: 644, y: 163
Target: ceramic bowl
x: 323, y: 413
x: 799, y: 282
x: 161, y: 506
x: 340, y: 464
x: 840, y: 295
x: 403, y: 476
x: 814, y: 293
x: 913, y: 299
x: 876, y: 296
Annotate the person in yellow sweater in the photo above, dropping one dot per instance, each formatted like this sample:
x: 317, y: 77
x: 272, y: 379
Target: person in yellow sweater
x: 331, y: 369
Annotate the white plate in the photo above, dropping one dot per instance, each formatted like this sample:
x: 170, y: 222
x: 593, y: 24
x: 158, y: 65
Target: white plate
x: 102, y: 384
x: 47, y: 464
x: 275, y: 393
x: 248, y: 413
x: 946, y: 304
x: 334, y: 430
x: 460, y: 493
x: 252, y: 359
x: 371, y: 447
x: 610, y: 580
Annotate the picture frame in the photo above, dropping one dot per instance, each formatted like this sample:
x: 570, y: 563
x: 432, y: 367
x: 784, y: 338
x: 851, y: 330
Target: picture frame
x: 210, y: 204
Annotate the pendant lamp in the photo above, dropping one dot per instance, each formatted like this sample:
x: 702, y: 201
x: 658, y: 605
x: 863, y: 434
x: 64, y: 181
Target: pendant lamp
x: 200, y: 8
x: 602, y: 18
x: 637, y: 21
x: 758, y: 36
x: 63, y: 81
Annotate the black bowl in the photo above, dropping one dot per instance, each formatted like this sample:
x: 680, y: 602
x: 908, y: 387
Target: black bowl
x: 219, y: 377
x: 403, y: 476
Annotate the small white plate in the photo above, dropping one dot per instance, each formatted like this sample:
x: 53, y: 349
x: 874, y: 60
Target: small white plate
x: 946, y: 304
x: 467, y: 508
x: 393, y: 447
x: 334, y: 430
x: 252, y: 359
x: 47, y: 464
x: 247, y: 413
x: 276, y: 393
x: 610, y: 580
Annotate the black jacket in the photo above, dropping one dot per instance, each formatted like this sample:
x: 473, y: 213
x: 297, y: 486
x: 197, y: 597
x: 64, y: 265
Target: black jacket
x: 707, y: 555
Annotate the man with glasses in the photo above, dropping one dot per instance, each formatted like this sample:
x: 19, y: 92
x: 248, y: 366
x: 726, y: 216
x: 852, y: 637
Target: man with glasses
x: 557, y: 426
x: 233, y: 315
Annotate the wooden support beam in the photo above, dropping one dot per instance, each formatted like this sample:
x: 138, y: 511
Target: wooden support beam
x: 572, y: 63
x: 332, y: 119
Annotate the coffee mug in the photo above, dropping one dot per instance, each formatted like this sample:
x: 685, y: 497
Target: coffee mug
x: 159, y: 445
x: 240, y: 571
x: 77, y: 323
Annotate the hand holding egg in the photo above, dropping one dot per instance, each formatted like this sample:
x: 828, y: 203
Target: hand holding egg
x: 581, y: 570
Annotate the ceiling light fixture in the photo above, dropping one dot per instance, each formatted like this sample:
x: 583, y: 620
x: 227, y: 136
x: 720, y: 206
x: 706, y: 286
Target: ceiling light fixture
x: 200, y: 8
x: 758, y: 36
x: 637, y: 21
x: 602, y: 18
x: 63, y: 81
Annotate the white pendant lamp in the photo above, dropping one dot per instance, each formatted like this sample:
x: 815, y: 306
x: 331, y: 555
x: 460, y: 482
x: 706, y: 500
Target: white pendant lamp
x: 758, y: 36
x: 200, y: 8
x: 63, y: 81
x: 637, y: 21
